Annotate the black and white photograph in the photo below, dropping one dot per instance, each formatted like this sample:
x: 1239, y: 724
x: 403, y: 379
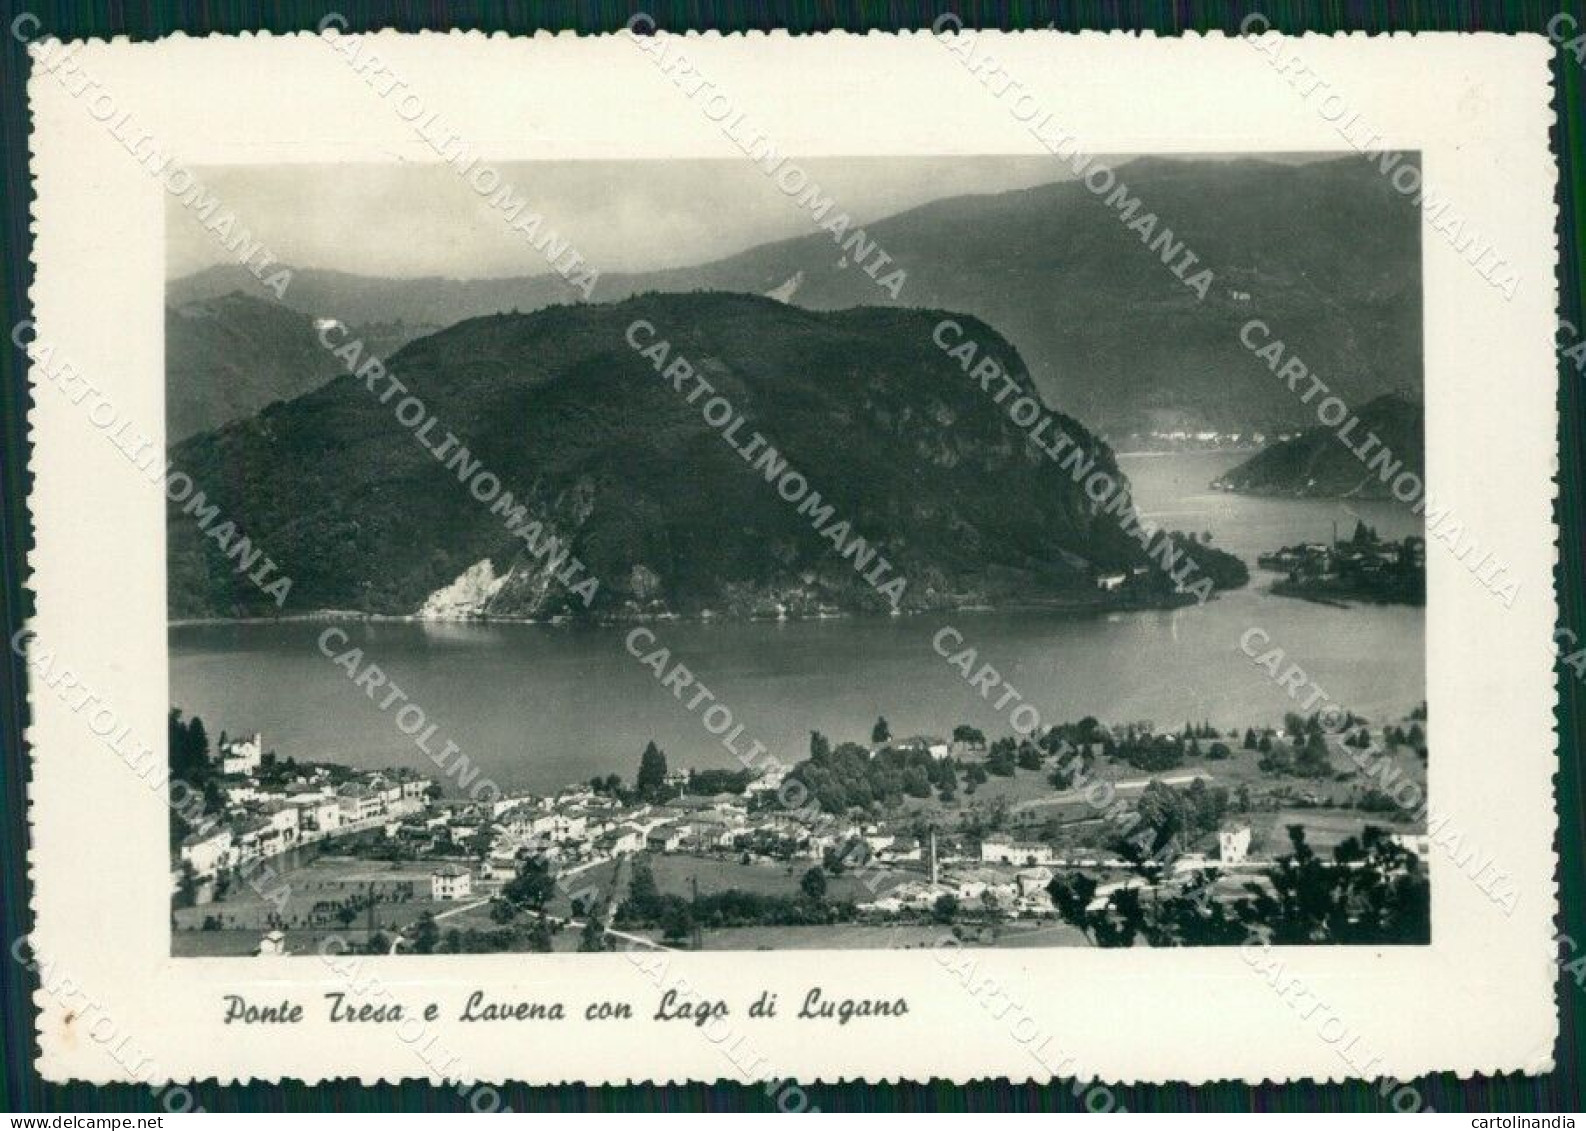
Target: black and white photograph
x: 825, y: 554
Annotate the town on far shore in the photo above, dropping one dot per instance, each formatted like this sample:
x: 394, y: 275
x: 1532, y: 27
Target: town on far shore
x: 1081, y: 834
x: 1362, y: 567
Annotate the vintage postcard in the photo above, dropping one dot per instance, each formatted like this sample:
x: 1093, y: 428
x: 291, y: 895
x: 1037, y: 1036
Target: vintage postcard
x: 659, y: 558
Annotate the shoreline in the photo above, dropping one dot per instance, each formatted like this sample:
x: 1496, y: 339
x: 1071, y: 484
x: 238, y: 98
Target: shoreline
x: 1145, y: 453
x: 1054, y: 605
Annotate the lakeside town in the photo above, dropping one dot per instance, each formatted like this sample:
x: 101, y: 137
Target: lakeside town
x: 1362, y: 567
x: 1082, y: 834
x: 1161, y: 441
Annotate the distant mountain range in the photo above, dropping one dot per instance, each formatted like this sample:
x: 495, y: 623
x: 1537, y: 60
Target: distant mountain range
x: 620, y: 466
x: 1317, y: 464
x: 229, y: 355
x: 1327, y: 254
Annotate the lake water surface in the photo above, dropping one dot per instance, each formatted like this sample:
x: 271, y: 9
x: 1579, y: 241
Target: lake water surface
x: 538, y: 707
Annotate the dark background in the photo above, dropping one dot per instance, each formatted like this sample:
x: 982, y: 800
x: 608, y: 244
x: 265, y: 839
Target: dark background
x: 20, y: 1087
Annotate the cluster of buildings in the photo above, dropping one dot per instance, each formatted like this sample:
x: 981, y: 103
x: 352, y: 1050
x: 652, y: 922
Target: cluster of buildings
x: 1363, y: 559
x: 477, y: 846
x: 1036, y: 862
x: 1022, y: 892
x: 1200, y: 439
x: 265, y: 815
x: 580, y: 828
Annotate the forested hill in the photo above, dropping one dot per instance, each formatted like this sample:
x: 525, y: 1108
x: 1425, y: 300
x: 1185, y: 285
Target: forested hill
x: 668, y: 514
x: 1317, y: 464
x: 228, y: 356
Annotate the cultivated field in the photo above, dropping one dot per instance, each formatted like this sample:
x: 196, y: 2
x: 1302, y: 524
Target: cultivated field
x: 400, y: 893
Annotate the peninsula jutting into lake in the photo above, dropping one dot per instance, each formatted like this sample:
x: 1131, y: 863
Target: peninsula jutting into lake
x: 429, y: 506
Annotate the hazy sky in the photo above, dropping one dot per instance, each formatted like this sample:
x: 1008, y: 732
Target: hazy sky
x: 412, y: 219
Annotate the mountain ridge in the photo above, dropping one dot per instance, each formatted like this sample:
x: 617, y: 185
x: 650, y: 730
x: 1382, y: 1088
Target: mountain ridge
x: 228, y: 356
x: 1328, y: 251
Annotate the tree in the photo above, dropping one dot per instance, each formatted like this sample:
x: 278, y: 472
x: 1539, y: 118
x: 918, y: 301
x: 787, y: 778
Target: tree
x: 532, y: 886
x: 881, y: 732
x: 677, y: 921
x: 1312, y: 760
x: 651, y: 782
x: 813, y: 885
x: 539, y: 937
x: 968, y: 735
x: 945, y: 909
x: 1161, y: 810
x: 1250, y: 738
x: 503, y: 911
x: 644, y: 897
x: 188, y: 751
x: 198, y: 740
x: 1373, y: 891
x: 820, y: 747
x: 1276, y: 759
x: 186, y: 884
x: 947, y: 783
x: 593, y: 936
x: 426, y: 934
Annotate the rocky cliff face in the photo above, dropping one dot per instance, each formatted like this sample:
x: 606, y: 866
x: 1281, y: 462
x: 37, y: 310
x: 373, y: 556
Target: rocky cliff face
x: 468, y: 596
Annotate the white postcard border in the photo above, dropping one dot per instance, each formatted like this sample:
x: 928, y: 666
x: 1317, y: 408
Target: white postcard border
x: 1479, y: 999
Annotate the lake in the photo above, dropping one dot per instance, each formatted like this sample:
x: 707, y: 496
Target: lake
x: 540, y: 706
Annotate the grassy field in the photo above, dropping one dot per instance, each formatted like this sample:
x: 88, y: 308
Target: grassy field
x: 238, y: 943
x: 676, y: 874
x: 1047, y: 933
x: 1032, y: 802
x: 839, y: 936
x: 602, y: 878
x: 866, y: 936
x: 1324, y: 828
x: 1023, y: 786
x: 401, y: 891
